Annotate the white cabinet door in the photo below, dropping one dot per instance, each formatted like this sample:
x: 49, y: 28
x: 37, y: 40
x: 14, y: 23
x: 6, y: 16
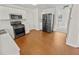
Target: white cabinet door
x: 4, y: 13
x: 17, y: 12
x: 26, y: 23
x: 8, y: 45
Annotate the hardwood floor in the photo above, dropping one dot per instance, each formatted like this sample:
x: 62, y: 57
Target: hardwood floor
x: 43, y: 43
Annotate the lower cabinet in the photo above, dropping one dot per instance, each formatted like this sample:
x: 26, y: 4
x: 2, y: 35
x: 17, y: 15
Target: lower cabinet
x: 8, y: 45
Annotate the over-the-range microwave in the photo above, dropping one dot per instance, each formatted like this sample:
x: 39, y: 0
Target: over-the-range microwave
x: 14, y: 16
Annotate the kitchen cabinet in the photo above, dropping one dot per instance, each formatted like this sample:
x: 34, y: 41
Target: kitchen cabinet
x: 6, y: 11
x: 26, y: 24
x: 5, y: 17
x: 6, y: 25
x: 8, y: 45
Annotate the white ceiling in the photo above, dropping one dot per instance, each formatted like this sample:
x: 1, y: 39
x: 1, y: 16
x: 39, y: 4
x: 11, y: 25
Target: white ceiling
x: 42, y: 6
x: 25, y: 5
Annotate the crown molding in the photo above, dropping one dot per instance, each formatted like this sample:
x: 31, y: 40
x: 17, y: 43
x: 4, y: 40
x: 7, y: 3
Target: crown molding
x: 13, y: 6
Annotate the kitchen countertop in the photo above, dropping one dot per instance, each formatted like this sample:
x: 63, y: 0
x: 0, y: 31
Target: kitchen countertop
x: 2, y: 32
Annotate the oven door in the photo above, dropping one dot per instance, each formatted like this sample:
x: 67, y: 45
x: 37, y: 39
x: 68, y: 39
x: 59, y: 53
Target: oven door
x: 19, y: 32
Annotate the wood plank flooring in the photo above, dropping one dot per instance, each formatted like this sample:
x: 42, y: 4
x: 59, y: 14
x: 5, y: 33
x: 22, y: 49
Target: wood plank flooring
x: 43, y: 43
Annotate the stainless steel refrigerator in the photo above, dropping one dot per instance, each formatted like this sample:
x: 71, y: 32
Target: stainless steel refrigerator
x: 47, y: 22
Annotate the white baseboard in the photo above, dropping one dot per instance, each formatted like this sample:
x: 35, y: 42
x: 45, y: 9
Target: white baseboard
x: 37, y: 29
x: 72, y: 45
x: 27, y: 32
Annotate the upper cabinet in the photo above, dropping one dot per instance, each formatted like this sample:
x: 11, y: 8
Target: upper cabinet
x: 6, y: 11
x: 50, y: 10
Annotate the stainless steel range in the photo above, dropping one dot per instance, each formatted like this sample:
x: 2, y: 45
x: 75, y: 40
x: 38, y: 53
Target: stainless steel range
x: 19, y: 29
